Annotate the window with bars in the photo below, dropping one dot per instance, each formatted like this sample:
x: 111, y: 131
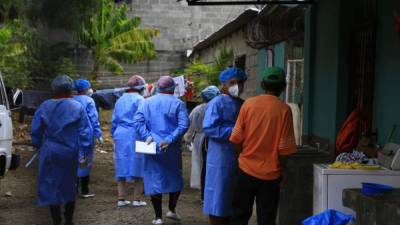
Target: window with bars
x: 295, y: 81
x: 294, y: 94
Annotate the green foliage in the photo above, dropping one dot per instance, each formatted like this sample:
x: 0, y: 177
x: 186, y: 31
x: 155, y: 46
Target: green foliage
x: 201, y: 75
x: 204, y: 75
x: 223, y: 60
x: 10, y: 9
x: 26, y: 60
x: 15, y: 53
x: 115, y: 38
x: 64, y: 14
x: 47, y: 61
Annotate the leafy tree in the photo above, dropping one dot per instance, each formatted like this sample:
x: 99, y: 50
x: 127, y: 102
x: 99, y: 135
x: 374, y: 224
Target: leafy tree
x: 26, y: 60
x: 67, y: 15
x: 47, y: 61
x: 114, y: 38
x: 9, y: 9
x: 15, y: 53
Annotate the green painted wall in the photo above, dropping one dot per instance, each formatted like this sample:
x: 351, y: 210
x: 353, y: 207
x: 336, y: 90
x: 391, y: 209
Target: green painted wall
x: 262, y: 59
x: 280, y: 59
x: 279, y: 55
x: 328, y: 32
x: 324, y: 70
x: 329, y: 29
x: 387, y: 90
x: 308, y: 58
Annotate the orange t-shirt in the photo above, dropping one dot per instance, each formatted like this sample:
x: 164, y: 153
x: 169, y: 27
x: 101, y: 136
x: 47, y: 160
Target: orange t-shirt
x: 264, y: 129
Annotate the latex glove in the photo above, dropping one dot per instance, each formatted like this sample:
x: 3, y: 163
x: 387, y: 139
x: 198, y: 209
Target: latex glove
x: 188, y: 137
x: 164, y: 145
x: 100, y: 140
x: 149, y: 140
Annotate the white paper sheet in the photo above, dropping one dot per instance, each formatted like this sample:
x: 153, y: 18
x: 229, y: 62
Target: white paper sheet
x: 180, y: 86
x: 143, y: 147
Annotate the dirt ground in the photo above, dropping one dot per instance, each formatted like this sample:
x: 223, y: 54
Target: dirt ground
x: 20, y: 208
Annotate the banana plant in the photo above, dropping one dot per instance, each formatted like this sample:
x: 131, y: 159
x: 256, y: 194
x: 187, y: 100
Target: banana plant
x: 115, y: 38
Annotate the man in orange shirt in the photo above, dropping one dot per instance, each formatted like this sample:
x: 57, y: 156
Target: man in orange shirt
x: 265, y: 137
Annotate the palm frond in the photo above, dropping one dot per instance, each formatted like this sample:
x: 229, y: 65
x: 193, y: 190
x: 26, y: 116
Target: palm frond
x: 131, y: 57
x: 134, y: 36
x: 113, y: 66
x: 125, y: 25
x: 113, y: 37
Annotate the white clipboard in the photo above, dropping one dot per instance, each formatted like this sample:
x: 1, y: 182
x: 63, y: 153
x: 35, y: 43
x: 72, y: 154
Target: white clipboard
x: 144, y: 148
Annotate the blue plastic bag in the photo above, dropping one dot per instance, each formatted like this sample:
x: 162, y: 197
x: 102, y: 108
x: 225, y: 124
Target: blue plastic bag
x: 329, y: 217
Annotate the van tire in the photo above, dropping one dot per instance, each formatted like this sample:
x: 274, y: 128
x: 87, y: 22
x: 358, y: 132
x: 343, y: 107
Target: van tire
x: 3, y: 164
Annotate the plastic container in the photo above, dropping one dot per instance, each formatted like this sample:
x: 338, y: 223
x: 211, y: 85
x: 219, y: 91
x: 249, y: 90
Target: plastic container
x: 371, y: 189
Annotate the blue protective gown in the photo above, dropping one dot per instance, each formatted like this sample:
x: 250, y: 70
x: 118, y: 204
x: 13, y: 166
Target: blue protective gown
x: 61, y: 132
x: 163, y: 117
x: 219, y: 120
x: 90, y: 107
x: 128, y: 163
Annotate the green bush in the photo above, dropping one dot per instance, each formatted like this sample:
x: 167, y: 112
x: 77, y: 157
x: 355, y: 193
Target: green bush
x: 15, y: 58
x: 204, y: 75
x: 28, y: 61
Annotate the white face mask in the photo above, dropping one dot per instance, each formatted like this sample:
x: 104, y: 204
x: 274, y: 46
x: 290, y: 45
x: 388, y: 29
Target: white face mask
x: 234, y: 91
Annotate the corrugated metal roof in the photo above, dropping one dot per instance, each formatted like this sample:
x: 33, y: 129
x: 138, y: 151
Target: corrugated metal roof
x: 228, y: 28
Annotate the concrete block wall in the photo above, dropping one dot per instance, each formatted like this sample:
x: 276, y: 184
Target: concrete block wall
x: 181, y: 27
x: 236, y: 42
x: 165, y: 62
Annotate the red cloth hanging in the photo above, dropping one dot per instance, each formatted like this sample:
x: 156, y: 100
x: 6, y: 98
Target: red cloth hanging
x: 349, y: 134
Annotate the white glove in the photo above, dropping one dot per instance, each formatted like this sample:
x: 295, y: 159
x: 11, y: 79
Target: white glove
x: 149, y: 140
x: 188, y: 138
x: 100, y: 140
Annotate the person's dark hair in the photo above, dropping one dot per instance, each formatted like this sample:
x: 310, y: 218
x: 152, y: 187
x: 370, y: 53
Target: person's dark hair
x: 275, y: 87
x: 204, y: 98
x: 83, y: 92
x: 65, y: 91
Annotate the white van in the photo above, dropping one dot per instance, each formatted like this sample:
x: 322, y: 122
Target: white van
x: 7, y: 159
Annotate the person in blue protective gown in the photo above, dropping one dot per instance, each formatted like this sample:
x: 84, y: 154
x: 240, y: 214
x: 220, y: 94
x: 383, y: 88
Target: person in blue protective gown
x: 163, y: 119
x: 195, y: 135
x: 220, y: 118
x: 61, y: 132
x: 82, y: 87
x: 128, y: 163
